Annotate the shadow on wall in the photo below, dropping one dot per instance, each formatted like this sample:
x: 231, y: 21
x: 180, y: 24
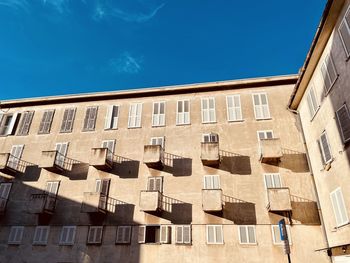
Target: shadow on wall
x: 125, y: 167
x: 305, y: 211
x: 294, y: 161
x: 175, y: 164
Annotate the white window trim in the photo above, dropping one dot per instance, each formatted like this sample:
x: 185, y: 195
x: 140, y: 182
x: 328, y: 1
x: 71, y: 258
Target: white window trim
x: 274, y: 238
x: 212, y: 182
x: 181, y: 228
x: 240, y: 106
x: 202, y: 110
x: 215, y: 241
x: 156, y: 138
x: 43, y: 240
x: 346, y: 221
x: 272, y: 174
x: 183, y: 112
x: 265, y: 131
x: 17, y: 241
x: 268, y: 106
x: 210, y: 137
x: 109, y: 118
x: 95, y: 241
x: 159, y: 114
x: 135, y: 125
x: 247, y: 235
x: 67, y: 242
x: 124, y: 241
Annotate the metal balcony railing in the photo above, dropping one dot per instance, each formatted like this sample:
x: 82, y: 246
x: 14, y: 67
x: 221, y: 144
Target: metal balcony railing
x: 46, y: 200
x: 17, y: 164
x: 65, y: 162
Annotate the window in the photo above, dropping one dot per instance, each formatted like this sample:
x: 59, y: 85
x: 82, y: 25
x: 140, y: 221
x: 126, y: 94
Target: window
x: 208, y: 110
x: 343, y: 118
x: 67, y: 235
x: 265, y: 135
x: 7, y: 125
x: 276, y: 236
x: 102, y: 186
x: 45, y: 124
x: 215, y: 234
x: 325, y: 148
x: 339, y: 208
x: 61, y: 149
x: 112, y: 117
x: 312, y: 102
x: 15, y: 156
x: 154, y: 234
x: 26, y: 121
x: 247, y: 235
x: 329, y: 73
x: 183, y: 112
x: 183, y: 234
x: 16, y: 235
x: 68, y: 120
x: 210, y: 137
x: 234, y: 111
x: 52, y: 187
x: 110, y: 145
x: 135, y: 112
x: 41, y: 235
x: 344, y: 32
x: 123, y: 235
x: 90, y: 119
x: 158, y: 117
x: 261, y: 106
x: 5, y: 189
x: 272, y: 180
x: 211, y: 182
x: 95, y: 235
x: 155, y: 183
x: 157, y: 141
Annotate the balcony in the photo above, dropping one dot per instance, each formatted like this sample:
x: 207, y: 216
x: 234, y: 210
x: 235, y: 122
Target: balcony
x: 42, y: 203
x: 150, y: 201
x: 101, y: 158
x: 12, y: 165
x: 270, y: 150
x: 210, y: 153
x: 212, y: 200
x: 279, y: 199
x: 54, y: 161
x: 3, y: 204
x: 94, y: 202
x: 153, y: 156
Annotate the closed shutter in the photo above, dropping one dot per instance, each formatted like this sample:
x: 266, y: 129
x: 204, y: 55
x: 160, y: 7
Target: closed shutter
x: 68, y: 120
x: 110, y: 145
x: 5, y: 189
x: 179, y: 235
x: 135, y: 112
x: 45, y: 124
x: 329, y: 73
x: 138, y: 115
x: 210, y: 234
x: 61, y: 149
x: 261, y: 106
x: 41, y: 235
x: 251, y: 234
x: 208, y: 110
x: 158, y: 116
x: 52, y: 187
x: 219, y: 234
x: 343, y: 118
x: 90, y: 119
x: 339, y: 207
x: 15, y: 156
x: 325, y: 148
x: 105, y: 186
x: 142, y: 234
x: 214, y: 234
x: 151, y: 184
x: 276, y: 234
x: 187, y: 234
x: 127, y: 234
x: 95, y: 235
x: 157, y: 141
x: 165, y: 234
x: 25, y: 123
x: 344, y: 31
x: 312, y: 102
x: 98, y: 237
x: 16, y: 234
x: 234, y: 111
x: 112, y: 117
x: 243, y: 235
x: 159, y: 184
x: 67, y: 235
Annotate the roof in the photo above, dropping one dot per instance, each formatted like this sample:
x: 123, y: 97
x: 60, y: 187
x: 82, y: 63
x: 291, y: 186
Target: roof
x: 328, y: 20
x: 158, y: 91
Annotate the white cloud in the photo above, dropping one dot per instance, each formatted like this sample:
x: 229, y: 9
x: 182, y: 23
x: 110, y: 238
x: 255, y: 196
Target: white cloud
x: 59, y: 5
x: 125, y: 63
x: 16, y: 4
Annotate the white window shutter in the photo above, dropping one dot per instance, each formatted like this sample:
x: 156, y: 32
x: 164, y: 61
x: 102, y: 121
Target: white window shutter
x: 344, y: 33
x: 187, y: 234
x: 218, y: 234
x: 179, y: 234
x: 26, y: 121
x: 243, y: 235
x: 127, y: 234
x: 159, y: 184
x: 326, y: 151
x: 251, y: 234
x: 165, y: 234
x: 16, y: 235
x: 108, y: 121
x: 151, y: 184
x: 138, y: 114
x: 257, y: 106
x: 142, y: 234
x: 216, y: 181
x: 210, y: 234
x: 343, y: 118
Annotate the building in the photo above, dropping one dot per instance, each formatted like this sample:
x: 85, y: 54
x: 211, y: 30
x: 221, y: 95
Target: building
x: 192, y: 173
x: 321, y: 98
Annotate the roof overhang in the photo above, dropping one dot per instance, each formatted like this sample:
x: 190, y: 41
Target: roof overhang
x: 329, y: 18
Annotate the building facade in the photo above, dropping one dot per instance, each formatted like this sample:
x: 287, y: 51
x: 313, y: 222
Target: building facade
x: 322, y: 99
x: 193, y: 173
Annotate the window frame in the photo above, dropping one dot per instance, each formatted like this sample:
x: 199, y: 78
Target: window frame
x: 215, y: 242
x: 88, y: 120
x: 183, y: 112
x: 274, y: 237
x: 261, y: 106
x: 16, y: 240
x: 111, y: 121
x: 210, y: 137
x: 65, y: 122
x: 234, y: 108
x: 341, y: 129
x: 67, y: 242
x: 182, y: 241
x: 11, y: 127
x: 159, y: 124
x: 94, y: 242
x: 42, y: 240
x: 135, y: 124
x: 338, y: 204
x: 212, y: 182
x: 209, y: 110
x: 245, y: 227
x: 265, y: 134
x: 273, y: 181
x: 125, y: 239
x: 325, y: 162
x: 25, y: 123
x: 162, y: 138
x: 46, y: 122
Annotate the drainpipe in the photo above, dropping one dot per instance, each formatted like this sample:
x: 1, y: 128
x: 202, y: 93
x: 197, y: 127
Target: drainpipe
x: 313, y: 180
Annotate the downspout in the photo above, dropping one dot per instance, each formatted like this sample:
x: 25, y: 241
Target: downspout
x: 313, y: 181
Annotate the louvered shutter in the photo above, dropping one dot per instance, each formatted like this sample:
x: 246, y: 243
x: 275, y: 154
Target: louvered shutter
x: 120, y: 235
x: 158, y: 184
x: 86, y: 119
x: 16, y: 234
x: 64, y: 121
x: 218, y: 234
x: 343, y: 118
x: 345, y: 33
x: 37, y: 235
x: 98, y: 235
x: 216, y: 182
x: 15, y: 156
x: 127, y: 234
x: 90, y: 119
x: 265, y: 106
x: 276, y: 234
x: 331, y: 69
x: 92, y: 234
x: 151, y: 184
x: 61, y: 149
x: 5, y: 189
x: 64, y: 235
x: 138, y: 114
x: 276, y: 181
x: 257, y: 106
x: 142, y: 234
x: 210, y: 234
x: 205, y: 110
x: 243, y: 234
x: 25, y: 123
x: 187, y: 234
x: 251, y: 234
x: 46, y: 121
x: 68, y: 120
x: 205, y: 138
x: 339, y: 207
x: 71, y: 235
x: 326, y: 152
x: 165, y: 234
x: 108, y: 122
x: 179, y: 235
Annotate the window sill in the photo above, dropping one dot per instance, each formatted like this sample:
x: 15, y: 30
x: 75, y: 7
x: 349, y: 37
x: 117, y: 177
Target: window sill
x: 209, y: 122
x: 87, y: 130
x: 138, y: 127
x: 264, y: 119
x: 342, y: 226
x: 182, y: 124
x: 248, y: 244
x: 111, y: 129
x: 65, y: 132
x: 215, y: 243
x: 331, y: 87
x: 313, y: 116
x: 183, y: 244
x: 327, y: 166
x: 233, y: 121
x: 158, y: 126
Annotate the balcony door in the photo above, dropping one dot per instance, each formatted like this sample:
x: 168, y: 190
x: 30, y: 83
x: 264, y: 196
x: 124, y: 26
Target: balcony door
x: 15, y: 156
x: 5, y: 189
x: 61, y: 149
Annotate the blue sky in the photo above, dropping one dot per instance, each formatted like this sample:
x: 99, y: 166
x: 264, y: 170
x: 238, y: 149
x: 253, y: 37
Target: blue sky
x: 55, y: 47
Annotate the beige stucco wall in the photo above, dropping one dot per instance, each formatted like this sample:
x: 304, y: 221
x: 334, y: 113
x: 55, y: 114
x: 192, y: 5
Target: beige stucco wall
x: 325, y: 119
x: 247, y: 184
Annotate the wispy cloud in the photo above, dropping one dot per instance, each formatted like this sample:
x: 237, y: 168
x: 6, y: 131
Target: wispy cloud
x: 125, y: 63
x: 59, y: 5
x: 18, y: 5
x: 103, y: 11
